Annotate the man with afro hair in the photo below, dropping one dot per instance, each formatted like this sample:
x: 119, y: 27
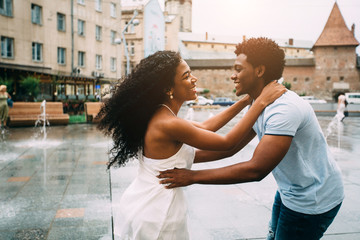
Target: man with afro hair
x: 292, y: 147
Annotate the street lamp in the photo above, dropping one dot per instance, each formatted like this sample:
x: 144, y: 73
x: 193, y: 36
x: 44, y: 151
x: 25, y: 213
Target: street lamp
x: 133, y: 22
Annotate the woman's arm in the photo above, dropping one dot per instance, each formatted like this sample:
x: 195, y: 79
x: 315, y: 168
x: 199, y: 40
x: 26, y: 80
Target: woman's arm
x: 182, y: 131
x: 219, y: 120
x: 209, y: 156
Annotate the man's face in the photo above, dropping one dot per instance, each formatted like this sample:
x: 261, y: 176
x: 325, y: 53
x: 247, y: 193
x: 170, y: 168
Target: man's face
x: 244, y: 76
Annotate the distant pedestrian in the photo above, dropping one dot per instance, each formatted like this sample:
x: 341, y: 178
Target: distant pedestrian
x: 4, y: 108
x: 341, y: 107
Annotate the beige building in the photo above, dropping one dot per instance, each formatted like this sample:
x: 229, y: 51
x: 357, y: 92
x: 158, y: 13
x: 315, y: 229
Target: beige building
x: 146, y: 36
x: 183, y: 10
x: 69, y: 44
x: 134, y: 37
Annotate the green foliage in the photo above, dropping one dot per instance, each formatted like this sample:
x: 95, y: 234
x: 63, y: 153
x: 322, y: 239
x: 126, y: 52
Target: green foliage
x: 8, y: 82
x: 30, y: 86
x: 287, y: 85
x: 206, y: 91
x: 302, y: 94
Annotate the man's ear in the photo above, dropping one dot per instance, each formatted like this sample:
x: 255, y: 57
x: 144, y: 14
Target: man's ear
x: 260, y: 71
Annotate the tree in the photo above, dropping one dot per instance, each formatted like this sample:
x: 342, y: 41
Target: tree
x: 9, y: 84
x: 30, y: 86
x: 287, y: 85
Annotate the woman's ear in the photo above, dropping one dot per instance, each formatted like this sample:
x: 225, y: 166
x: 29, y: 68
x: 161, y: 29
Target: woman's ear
x: 170, y: 93
x: 260, y: 71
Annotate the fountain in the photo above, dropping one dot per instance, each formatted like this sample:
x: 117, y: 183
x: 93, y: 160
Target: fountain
x: 335, y: 125
x: 41, y: 123
x: 42, y: 120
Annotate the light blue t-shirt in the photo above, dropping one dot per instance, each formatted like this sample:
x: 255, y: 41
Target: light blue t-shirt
x: 308, y: 178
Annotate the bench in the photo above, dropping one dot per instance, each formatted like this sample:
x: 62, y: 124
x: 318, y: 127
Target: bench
x: 91, y: 111
x: 27, y: 113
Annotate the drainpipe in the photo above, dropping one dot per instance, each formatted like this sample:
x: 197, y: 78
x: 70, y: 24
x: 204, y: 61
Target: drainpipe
x: 72, y: 43
x: 72, y: 37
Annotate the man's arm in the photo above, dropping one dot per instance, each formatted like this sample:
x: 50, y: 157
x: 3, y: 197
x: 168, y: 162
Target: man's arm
x: 268, y: 154
x: 208, y: 156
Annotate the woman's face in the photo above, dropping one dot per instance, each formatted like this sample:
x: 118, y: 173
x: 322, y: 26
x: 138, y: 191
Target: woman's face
x: 185, y: 83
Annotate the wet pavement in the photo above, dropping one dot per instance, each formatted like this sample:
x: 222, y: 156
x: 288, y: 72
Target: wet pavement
x: 59, y: 188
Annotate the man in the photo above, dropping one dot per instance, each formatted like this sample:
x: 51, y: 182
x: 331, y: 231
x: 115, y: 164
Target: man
x: 292, y: 147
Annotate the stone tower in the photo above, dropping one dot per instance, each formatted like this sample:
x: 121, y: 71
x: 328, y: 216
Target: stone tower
x: 335, y: 57
x: 182, y: 9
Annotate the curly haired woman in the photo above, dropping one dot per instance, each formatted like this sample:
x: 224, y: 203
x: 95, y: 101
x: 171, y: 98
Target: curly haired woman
x: 141, y: 117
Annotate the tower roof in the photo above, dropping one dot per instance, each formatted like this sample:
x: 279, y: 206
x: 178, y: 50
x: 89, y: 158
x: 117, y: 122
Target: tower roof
x: 335, y: 32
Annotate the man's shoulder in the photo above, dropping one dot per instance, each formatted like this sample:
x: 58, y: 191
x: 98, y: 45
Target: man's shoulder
x: 288, y: 100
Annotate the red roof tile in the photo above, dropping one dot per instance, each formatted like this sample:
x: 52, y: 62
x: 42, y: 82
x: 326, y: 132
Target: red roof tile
x: 335, y: 32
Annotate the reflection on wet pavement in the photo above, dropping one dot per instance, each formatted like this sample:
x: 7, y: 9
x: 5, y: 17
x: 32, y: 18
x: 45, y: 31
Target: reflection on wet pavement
x: 59, y: 188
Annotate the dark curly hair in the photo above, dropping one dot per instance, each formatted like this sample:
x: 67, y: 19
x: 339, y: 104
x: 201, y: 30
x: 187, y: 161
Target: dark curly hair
x: 263, y: 51
x: 126, y: 114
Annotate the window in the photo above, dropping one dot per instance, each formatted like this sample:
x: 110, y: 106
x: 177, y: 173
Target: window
x: 81, y: 27
x: 37, y: 52
x: 307, y: 79
x: 328, y: 78
x: 113, y: 64
x: 6, y: 7
x: 295, y: 79
x: 342, y: 78
x: 98, y: 5
x: 98, y: 33
x: 130, y: 28
x: 112, y: 36
x: 61, y: 22
x: 81, y: 2
x: 98, y: 62
x: 132, y: 49
x: 127, y: 29
x: 81, y: 59
x: 113, y: 10
x: 7, y: 47
x: 80, y: 90
x: 61, y: 55
x: 36, y: 14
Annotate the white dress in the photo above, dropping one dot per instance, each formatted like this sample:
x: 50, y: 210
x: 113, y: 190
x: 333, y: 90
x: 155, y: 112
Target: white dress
x: 341, y: 107
x: 147, y: 209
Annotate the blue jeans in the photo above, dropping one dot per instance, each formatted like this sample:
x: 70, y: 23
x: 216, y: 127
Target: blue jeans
x: 287, y: 224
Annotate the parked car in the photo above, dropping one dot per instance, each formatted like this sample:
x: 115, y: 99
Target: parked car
x: 352, y: 97
x: 312, y: 99
x: 200, y: 101
x: 223, y: 101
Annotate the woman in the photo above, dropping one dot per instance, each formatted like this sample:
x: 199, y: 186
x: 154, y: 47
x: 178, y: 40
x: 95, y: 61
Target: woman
x: 4, y: 109
x: 340, y: 111
x: 141, y: 118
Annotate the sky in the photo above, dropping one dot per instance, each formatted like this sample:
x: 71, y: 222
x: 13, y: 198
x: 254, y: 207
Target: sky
x: 298, y: 19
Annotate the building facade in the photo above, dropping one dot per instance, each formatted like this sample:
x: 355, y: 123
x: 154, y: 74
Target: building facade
x: 69, y: 45
x: 145, y: 38
x: 183, y: 10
